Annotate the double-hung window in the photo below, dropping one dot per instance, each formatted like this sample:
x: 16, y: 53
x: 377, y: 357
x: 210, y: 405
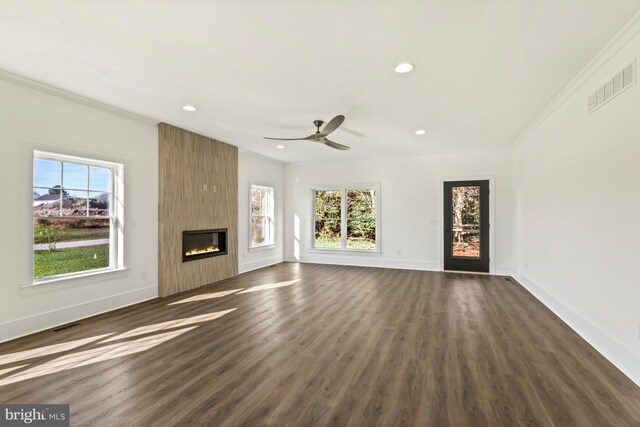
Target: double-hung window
x: 262, y: 221
x: 346, y: 217
x: 76, y: 220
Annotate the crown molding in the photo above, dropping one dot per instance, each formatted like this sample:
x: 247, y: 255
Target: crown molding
x: 73, y: 97
x: 630, y: 30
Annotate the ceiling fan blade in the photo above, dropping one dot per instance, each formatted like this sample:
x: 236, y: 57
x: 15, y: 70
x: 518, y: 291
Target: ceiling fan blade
x: 310, y: 137
x: 335, y: 145
x: 332, y: 125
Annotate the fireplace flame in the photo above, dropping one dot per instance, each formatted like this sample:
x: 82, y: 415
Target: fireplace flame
x: 203, y: 251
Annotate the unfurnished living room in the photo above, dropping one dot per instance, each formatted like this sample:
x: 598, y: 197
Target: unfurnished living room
x: 296, y: 213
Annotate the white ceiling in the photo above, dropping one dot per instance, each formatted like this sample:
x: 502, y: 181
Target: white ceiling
x: 254, y: 68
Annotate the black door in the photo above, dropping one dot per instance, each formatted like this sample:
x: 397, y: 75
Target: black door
x: 466, y: 226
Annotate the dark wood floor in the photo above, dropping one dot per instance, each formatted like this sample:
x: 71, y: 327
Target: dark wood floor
x: 307, y: 345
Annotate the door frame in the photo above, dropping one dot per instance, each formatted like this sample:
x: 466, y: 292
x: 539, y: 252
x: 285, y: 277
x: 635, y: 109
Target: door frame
x: 492, y: 216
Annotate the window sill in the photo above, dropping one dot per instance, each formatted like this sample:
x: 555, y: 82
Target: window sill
x: 262, y: 248
x: 361, y: 252
x: 70, y: 278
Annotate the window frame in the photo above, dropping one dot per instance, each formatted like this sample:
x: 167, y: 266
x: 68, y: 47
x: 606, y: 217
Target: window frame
x: 271, y: 208
x: 344, y: 188
x: 115, y: 217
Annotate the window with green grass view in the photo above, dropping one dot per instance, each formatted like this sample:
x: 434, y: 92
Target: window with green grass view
x: 346, y: 218
x: 72, y: 215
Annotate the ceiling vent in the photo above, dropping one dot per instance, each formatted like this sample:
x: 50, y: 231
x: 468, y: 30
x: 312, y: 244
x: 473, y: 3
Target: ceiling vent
x: 614, y: 87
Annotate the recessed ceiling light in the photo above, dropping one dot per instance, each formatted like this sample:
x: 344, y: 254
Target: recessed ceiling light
x: 405, y: 67
x: 189, y: 108
x: 421, y: 132
x: 279, y: 147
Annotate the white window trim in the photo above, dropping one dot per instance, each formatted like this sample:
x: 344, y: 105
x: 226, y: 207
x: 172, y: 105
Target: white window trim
x: 116, y: 232
x: 272, y: 218
x: 70, y: 277
x: 343, y: 218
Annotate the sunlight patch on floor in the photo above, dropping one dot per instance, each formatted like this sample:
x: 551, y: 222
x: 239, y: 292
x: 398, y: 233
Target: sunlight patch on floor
x: 203, y: 297
x: 269, y: 286
x: 13, y: 368
x: 47, y: 350
x: 94, y: 355
x: 156, y: 327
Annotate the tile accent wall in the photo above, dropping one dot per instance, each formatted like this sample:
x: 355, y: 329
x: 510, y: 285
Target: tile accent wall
x: 198, y: 190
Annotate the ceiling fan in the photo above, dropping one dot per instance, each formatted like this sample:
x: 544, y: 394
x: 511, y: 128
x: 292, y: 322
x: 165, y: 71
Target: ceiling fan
x: 321, y: 136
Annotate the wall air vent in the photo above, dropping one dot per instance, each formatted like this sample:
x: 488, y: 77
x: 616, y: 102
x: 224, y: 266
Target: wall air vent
x: 614, y: 87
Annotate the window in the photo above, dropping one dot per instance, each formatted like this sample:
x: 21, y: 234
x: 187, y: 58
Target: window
x: 262, y: 222
x: 75, y: 220
x: 346, y: 217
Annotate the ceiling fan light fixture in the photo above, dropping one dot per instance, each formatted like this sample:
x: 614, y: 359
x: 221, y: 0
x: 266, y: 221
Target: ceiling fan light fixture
x: 280, y: 147
x: 421, y: 132
x: 403, y: 68
x: 190, y: 108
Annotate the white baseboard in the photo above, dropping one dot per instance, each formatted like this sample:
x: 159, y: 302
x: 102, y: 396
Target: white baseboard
x: 503, y: 271
x: 379, y: 262
x: 261, y: 263
x: 365, y: 261
x: 617, y: 353
x: 50, y: 319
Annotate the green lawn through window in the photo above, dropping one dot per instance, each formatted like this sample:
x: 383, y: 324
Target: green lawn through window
x: 70, y: 260
x: 70, y: 234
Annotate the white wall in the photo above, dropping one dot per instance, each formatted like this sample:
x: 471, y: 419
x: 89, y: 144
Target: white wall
x: 577, y: 196
x: 30, y: 120
x: 255, y: 169
x: 411, y: 206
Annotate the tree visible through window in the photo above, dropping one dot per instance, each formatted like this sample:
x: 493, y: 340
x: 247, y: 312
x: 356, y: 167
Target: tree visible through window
x: 328, y: 222
x: 466, y: 221
x: 262, y: 223
x: 72, y: 216
x: 346, y: 218
x: 361, y: 219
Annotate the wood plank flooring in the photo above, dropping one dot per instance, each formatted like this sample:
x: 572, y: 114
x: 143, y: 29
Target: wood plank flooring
x: 315, y: 345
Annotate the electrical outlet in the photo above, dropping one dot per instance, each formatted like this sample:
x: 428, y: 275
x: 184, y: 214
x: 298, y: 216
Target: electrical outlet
x: 143, y: 275
x: 205, y: 187
x: 214, y: 189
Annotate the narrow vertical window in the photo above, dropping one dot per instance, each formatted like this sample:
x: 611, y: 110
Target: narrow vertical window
x: 328, y: 222
x: 361, y: 219
x: 262, y: 221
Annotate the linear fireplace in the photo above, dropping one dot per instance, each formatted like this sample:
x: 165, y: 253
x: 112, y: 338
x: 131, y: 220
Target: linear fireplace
x: 198, y: 244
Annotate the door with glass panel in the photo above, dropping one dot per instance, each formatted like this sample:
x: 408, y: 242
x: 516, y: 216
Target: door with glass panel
x: 466, y: 226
